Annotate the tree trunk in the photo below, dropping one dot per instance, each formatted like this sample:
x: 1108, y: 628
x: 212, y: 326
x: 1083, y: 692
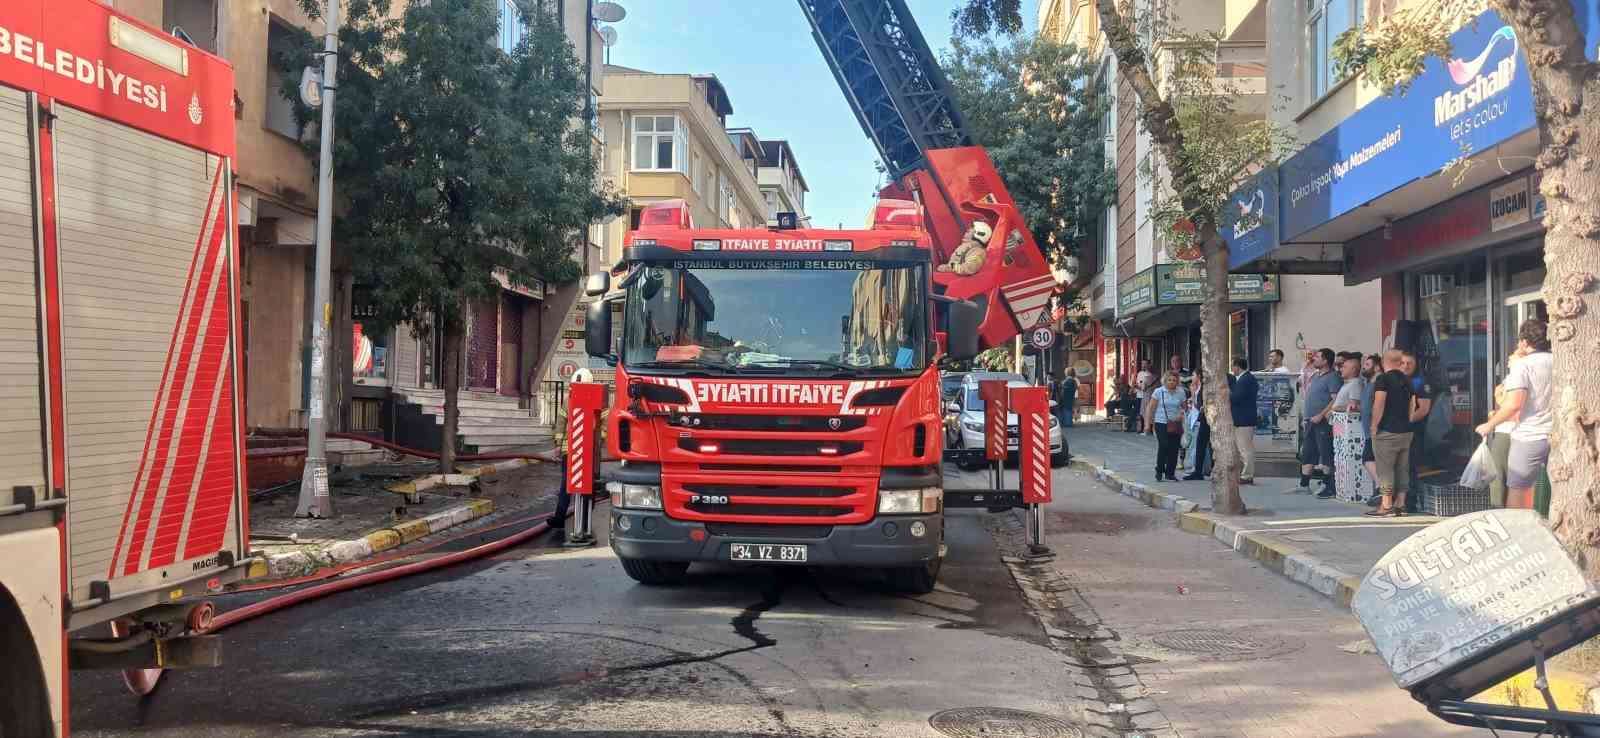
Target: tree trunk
x: 1567, y: 103
x: 450, y: 380
x: 1225, y: 498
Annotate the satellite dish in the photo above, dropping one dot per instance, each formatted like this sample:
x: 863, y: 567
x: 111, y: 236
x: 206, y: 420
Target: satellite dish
x: 609, y: 12
x: 608, y: 36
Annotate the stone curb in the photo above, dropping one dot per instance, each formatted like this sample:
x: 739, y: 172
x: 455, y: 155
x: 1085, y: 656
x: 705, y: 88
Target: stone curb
x: 309, y: 559
x: 412, y: 488
x: 1275, y: 555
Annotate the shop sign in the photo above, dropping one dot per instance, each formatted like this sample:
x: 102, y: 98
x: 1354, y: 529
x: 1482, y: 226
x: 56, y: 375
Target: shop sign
x: 1508, y: 205
x: 1423, y: 237
x: 1180, y: 284
x: 1136, y: 293
x: 1471, y: 103
x: 534, y: 288
x: 1250, y: 221
x: 1254, y: 288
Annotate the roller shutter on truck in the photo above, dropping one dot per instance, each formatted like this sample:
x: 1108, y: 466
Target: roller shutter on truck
x: 147, y: 317
x: 22, y: 459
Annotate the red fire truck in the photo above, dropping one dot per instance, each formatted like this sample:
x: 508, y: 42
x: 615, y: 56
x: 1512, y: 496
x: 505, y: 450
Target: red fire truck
x: 778, y: 392
x: 120, y: 426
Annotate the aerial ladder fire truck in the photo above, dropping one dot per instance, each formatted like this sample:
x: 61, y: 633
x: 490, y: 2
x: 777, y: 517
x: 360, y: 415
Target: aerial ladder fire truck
x: 777, y: 390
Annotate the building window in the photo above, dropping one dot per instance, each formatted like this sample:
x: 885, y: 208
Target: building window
x: 279, y: 112
x: 1326, y: 20
x: 724, y: 198
x: 657, y: 143
x: 772, y: 203
x: 694, y: 172
x: 196, y: 19
x: 510, y: 25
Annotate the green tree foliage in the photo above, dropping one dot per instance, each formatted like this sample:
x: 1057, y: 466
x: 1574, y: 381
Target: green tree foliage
x: 982, y: 17
x: 454, y: 159
x: 1027, y: 102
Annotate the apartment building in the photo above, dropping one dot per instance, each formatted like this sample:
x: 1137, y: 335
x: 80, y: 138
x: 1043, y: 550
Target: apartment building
x: 1142, y: 303
x: 666, y: 138
x: 509, y: 340
x: 782, y: 186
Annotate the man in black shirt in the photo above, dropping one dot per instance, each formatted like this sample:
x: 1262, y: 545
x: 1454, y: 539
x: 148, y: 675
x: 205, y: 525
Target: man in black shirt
x: 1390, y: 431
x: 1422, y: 394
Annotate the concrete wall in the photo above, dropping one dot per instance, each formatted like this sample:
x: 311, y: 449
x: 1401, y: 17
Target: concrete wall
x: 1320, y: 311
x: 275, y: 293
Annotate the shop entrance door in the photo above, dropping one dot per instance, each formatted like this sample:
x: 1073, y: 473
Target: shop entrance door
x: 483, y: 344
x: 1517, y: 308
x: 510, y: 353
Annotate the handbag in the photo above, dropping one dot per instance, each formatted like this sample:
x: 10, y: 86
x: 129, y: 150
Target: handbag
x: 1174, y: 427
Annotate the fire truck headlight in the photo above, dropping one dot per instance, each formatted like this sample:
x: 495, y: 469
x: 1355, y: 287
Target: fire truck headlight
x: 641, y: 497
x: 910, y: 501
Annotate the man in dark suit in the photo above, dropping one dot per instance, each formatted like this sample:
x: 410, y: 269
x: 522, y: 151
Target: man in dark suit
x: 1242, y: 389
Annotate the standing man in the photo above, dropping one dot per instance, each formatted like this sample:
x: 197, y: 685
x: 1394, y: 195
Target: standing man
x: 1390, y: 426
x: 1067, y: 398
x: 1175, y: 363
x: 1371, y: 367
x: 1242, y: 391
x: 1320, y: 391
x: 1527, y: 399
x: 1275, y: 362
x: 1202, y: 435
x: 1422, y: 394
x: 1144, y: 383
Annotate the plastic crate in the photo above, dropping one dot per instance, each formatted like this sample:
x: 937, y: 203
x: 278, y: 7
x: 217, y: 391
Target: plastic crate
x: 1445, y: 500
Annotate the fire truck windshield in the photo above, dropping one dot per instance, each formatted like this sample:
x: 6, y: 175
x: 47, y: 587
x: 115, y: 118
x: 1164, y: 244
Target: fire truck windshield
x: 803, y: 318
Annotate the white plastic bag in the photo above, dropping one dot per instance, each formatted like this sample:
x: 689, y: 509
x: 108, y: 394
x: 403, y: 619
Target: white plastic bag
x: 1481, y: 470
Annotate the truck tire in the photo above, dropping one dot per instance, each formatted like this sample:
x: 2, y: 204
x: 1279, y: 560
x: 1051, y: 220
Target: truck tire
x: 656, y: 573
x: 919, y: 579
x: 25, y: 707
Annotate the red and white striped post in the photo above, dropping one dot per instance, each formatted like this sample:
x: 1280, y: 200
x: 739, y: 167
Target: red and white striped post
x: 1032, y: 405
x: 996, y: 410
x: 584, y: 400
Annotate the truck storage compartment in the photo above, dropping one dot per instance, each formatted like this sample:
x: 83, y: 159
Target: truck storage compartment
x: 147, y: 317
x: 21, y: 430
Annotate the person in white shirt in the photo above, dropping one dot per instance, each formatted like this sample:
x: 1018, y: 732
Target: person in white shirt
x: 1275, y: 362
x: 1144, y: 382
x: 1527, y: 399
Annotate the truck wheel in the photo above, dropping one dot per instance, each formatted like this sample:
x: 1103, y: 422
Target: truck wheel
x: 656, y: 573
x: 919, y: 579
x: 24, y: 702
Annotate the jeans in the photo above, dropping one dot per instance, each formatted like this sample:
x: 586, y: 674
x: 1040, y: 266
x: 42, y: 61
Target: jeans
x: 1166, y: 450
x: 1202, y: 448
x: 1068, y: 409
x: 1318, y: 444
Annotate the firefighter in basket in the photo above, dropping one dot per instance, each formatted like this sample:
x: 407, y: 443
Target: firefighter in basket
x: 969, y: 254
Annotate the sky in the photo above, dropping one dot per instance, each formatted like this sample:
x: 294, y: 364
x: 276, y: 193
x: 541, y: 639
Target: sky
x: 779, y: 85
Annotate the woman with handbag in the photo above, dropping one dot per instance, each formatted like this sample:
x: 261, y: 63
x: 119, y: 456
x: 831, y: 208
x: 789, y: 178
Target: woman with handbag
x: 1163, y: 416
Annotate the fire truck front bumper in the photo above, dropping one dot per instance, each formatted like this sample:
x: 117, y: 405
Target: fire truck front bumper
x: 887, y: 541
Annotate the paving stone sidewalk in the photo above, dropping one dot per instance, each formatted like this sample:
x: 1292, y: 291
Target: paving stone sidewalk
x: 1326, y: 544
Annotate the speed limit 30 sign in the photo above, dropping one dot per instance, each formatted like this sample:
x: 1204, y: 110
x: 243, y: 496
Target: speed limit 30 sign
x: 1042, y: 338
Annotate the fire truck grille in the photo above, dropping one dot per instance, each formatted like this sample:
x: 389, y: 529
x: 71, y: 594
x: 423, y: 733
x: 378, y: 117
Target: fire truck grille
x: 757, y: 530
x: 757, y: 447
x: 797, y: 511
x: 751, y: 490
x: 789, y: 468
x: 792, y: 423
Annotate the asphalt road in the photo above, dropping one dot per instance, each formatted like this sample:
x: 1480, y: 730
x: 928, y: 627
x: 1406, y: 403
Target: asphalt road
x: 545, y: 642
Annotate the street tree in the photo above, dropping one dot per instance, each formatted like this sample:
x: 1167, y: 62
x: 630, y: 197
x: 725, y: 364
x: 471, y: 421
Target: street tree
x: 455, y: 161
x: 1025, y: 99
x: 1205, y: 148
x: 1389, y: 52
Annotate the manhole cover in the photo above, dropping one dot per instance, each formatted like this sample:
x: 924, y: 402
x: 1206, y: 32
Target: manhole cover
x: 999, y: 722
x: 1223, y: 645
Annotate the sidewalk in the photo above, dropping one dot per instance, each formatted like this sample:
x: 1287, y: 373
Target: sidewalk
x: 1327, y: 545
x: 381, y: 507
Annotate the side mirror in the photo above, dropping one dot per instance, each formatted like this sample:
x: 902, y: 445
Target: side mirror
x: 596, y: 285
x: 597, y: 329
x: 961, y: 329
x: 953, y: 407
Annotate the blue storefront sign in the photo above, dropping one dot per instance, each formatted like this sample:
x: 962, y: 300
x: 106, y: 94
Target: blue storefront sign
x: 1478, y: 99
x: 1250, y: 224
x: 1465, y: 106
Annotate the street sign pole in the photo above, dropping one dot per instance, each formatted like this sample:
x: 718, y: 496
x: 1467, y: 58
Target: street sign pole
x: 316, y: 500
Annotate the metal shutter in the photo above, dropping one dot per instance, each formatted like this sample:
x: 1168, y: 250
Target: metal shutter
x: 145, y: 357
x: 21, y: 427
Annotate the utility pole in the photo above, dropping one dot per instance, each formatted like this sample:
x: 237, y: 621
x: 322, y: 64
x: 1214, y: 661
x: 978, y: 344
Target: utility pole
x: 316, y: 499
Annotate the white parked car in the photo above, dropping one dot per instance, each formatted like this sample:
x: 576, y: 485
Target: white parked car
x: 964, y: 427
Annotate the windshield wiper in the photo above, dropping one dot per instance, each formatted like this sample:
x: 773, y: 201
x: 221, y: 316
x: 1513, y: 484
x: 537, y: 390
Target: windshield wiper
x: 835, y: 365
x: 685, y: 364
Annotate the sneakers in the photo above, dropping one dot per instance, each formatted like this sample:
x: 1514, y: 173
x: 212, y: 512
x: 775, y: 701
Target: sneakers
x: 1326, y: 493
